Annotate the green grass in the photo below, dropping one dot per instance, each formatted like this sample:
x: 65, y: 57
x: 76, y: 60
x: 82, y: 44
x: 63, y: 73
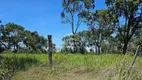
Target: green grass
x: 65, y: 63
x: 69, y: 61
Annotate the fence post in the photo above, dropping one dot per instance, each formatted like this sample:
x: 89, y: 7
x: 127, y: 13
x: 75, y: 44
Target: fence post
x: 50, y: 50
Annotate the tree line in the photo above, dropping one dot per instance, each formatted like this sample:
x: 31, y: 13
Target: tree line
x: 116, y: 29
x: 17, y: 39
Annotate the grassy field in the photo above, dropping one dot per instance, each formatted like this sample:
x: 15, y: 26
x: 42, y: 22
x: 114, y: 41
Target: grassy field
x: 71, y: 66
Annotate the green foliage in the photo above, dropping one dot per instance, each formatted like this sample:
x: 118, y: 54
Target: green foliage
x: 131, y: 12
x: 71, y: 61
x: 15, y: 38
x: 70, y: 44
x: 72, y: 14
x: 34, y: 42
x: 9, y: 64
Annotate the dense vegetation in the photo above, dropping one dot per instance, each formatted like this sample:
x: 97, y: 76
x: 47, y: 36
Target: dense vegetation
x: 97, y: 65
x: 106, y: 29
x: 112, y: 32
x: 15, y: 38
x: 116, y: 29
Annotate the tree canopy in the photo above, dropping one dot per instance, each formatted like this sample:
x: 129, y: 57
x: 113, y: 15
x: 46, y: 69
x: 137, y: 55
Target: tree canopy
x: 106, y: 26
x: 15, y: 38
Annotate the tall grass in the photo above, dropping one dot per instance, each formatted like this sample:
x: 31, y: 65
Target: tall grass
x: 71, y: 60
x: 68, y: 61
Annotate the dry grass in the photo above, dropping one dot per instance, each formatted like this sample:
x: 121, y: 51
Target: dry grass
x: 81, y: 73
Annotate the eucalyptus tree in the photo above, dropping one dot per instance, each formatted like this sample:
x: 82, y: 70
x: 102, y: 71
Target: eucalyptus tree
x: 69, y: 44
x: 100, y: 23
x: 34, y: 42
x: 130, y: 11
x: 89, y: 39
x: 72, y: 10
x: 14, y: 37
x: 11, y: 35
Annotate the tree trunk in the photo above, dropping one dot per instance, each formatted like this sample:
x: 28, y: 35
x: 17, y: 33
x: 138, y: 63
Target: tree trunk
x: 125, y: 47
x: 74, y: 44
x: 99, y: 50
x: 14, y: 47
x: 96, y: 50
x: 74, y: 48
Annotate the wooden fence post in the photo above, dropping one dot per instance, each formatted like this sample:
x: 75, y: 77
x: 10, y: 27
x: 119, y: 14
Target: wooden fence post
x: 50, y: 50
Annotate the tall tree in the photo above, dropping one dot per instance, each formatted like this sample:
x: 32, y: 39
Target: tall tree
x: 130, y: 11
x: 100, y: 23
x: 72, y: 10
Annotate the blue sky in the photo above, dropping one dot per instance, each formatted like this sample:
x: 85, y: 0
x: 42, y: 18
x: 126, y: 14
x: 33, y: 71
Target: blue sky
x: 39, y: 15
